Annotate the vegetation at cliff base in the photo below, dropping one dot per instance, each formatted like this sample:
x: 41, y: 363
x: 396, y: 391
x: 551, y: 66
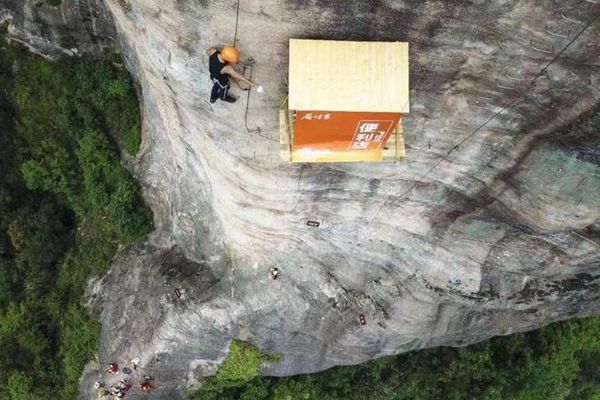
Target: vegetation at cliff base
x: 559, y: 362
x: 242, y: 365
x: 66, y: 204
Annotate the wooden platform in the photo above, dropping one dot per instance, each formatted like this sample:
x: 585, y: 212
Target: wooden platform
x: 286, y: 132
x: 394, y: 150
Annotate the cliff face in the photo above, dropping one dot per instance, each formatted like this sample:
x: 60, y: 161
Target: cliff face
x: 490, y: 226
x: 54, y: 28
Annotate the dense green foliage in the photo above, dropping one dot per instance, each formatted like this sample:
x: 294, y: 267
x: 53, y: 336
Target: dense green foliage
x: 66, y: 204
x: 242, y: 365
x: 561, y: 361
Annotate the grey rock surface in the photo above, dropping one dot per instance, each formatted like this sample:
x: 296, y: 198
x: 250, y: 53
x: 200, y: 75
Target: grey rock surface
x: 71, y: 28
x: 490, y: 226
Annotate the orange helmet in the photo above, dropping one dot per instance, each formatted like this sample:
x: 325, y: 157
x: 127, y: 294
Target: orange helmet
x: 230, y: 54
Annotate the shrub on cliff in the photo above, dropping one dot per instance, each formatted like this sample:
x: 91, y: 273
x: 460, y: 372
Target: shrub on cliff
x: 242, y: 365
x: 558, y: 362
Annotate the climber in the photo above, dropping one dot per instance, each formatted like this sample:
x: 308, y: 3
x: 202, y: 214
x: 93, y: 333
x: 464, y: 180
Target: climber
x: 220, y: 65
x: 135, y: 362
x: 146, y: 386
x: 116, y: 391
x: 124, y: 385
x: 112, y: 368
x: 101, y: 389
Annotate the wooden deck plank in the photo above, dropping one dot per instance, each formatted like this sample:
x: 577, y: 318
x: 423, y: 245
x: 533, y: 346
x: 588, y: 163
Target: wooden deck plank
x: 285, y: 136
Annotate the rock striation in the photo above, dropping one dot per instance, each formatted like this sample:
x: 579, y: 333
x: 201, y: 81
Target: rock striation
x: 54, y: 28
x: 491, y: 225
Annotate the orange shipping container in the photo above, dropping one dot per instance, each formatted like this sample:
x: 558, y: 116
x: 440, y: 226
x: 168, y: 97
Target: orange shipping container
x: 322, y: 136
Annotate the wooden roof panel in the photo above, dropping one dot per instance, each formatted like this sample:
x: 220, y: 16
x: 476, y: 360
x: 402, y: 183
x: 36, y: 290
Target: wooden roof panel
x: 328, y: 75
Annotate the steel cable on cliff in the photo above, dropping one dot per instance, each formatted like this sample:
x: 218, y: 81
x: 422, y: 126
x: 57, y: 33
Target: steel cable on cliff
x: 250, y: 65
x: 237, y: 21
x: 256, y: 130
x: 483, y: 125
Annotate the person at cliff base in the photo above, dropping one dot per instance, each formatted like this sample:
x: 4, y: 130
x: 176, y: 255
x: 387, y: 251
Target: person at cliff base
x: 101, y: 390
x: 112, y: 368
x: 116, y: 391
x: 146, y: 386
x: 124, y: 385
x: 135, y: 362
x: 221, y: 67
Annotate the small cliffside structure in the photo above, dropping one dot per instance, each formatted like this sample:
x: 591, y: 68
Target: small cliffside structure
x: 346, y: 101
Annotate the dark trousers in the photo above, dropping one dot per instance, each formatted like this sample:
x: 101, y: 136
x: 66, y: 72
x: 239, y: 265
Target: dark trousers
x: 220, y: 89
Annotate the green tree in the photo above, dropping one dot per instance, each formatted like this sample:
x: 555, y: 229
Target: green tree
x: 66, y: 203
x: 20, y: 387
x: 560, y: 361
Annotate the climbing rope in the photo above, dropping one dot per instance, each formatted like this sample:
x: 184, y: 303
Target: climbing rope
x: 250, y: 65
x: 248, y: 102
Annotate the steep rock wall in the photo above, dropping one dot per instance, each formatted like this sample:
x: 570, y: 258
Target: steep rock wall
x: 501, y: 236
x: 490, y: 225
x: 68, y: 28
